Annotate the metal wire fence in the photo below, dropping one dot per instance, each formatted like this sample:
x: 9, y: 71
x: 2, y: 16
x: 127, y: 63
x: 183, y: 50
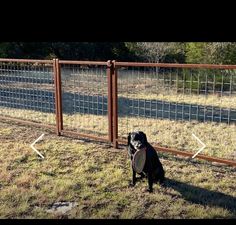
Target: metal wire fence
x: 107, y: 100
x: 27, y: 91
x: 180, y: 94
x: 169, y: 104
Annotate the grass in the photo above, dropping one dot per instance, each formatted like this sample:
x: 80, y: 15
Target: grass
x: 96, y: 176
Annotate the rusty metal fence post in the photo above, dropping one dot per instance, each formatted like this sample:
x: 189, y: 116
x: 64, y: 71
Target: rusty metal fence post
x: 112, y: 103
x: 58, y: 99
x: 109, y: 101
x: 59, y: 95
x: 115, y: 104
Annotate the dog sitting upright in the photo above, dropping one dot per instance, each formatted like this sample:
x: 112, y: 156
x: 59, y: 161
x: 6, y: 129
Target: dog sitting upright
x: 153, y: 168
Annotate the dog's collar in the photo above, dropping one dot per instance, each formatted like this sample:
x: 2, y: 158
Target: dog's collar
x: 144, y: 149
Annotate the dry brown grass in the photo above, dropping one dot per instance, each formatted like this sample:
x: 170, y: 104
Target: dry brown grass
x: 96, y: 177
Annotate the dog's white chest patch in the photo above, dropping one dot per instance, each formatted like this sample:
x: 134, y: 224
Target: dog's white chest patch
x: 139, y: 160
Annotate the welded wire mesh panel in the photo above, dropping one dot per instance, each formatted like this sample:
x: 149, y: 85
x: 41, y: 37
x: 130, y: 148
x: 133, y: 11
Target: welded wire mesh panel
x: 27, y: 91
x: 169, y: 104
x: 84, y: 99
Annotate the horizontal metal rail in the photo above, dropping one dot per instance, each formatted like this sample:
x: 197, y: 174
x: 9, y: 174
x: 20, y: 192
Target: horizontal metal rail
x: 82, y: 62
x: 74, y: 133
x: 26, y: 60
x: 174, y: 65
x: 189, y: 154
x: 120, y: 64
x: 27, y: 122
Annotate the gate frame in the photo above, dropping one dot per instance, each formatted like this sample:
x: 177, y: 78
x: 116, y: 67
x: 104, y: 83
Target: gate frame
x: 60, y: 128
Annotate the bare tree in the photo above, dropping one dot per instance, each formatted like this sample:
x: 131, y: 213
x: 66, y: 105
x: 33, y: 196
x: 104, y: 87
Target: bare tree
x: 155, y: 51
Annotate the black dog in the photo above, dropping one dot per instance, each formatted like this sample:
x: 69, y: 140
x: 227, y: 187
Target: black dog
x: 153, y: 168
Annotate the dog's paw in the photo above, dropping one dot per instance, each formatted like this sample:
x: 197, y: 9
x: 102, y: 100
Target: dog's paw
x: 148, y: 190
x: 131, y: 185
x: 163, y: 185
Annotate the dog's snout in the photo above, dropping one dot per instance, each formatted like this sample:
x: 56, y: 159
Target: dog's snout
x: 138, y: 144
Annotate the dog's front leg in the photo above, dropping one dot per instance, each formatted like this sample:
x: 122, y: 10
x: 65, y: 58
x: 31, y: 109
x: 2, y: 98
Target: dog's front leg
x: 134, y: 177
x: 150, y: 182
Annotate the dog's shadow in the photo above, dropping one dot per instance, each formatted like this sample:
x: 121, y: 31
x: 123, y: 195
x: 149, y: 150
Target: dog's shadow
x: 198, y: 195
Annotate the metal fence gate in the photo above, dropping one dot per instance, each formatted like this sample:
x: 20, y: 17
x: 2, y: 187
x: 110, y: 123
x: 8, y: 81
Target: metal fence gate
x: 83, y: 99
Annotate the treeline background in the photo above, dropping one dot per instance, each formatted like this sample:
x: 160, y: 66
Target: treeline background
x: 170, y: 52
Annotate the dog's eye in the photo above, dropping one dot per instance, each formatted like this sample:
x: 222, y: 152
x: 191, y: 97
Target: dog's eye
x: 135, y: 139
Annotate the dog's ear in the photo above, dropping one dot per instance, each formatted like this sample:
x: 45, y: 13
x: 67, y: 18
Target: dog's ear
x: 129, y: 137
x: 144, y: 136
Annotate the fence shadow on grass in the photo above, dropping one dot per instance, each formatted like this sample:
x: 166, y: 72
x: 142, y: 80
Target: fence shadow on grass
x: 153, y: 109
x: 43, y: 101
x: 198, y: 195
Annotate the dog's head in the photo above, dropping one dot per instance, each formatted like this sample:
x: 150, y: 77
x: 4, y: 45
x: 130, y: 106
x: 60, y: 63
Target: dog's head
x: 137, y: 140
